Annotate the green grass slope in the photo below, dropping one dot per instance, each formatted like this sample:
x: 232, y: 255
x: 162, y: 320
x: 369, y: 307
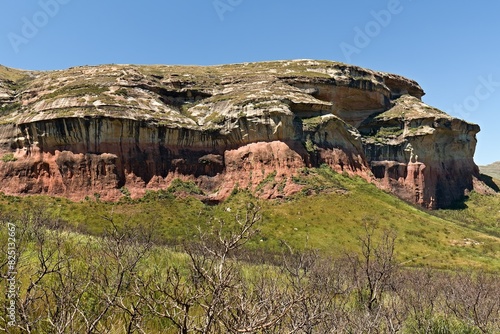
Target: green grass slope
x: 492, y: 170
x: 329, y: 215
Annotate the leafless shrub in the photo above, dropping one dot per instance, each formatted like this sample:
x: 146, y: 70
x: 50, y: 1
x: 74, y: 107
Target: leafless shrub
x: 112, y: 269
x: 77, y: 284
x: 420, y: 293
x: 475, y: 299
x: 373, y: 268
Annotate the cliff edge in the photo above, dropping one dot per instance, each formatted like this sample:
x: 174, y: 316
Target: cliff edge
x: 98, y: 129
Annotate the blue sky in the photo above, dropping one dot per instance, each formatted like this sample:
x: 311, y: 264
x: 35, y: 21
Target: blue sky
x: 451, y: 48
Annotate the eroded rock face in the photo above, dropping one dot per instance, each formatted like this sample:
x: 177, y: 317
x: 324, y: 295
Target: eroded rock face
x: 420, y: 153
x: 95, y: 130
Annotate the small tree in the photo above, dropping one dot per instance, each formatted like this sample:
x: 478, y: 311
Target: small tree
x: 375, y: 266
x: 198, y: 301
x: 113, y: 265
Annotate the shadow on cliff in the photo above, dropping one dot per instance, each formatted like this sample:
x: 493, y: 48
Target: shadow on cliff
x: 487, y: 180
x: 459, y: 204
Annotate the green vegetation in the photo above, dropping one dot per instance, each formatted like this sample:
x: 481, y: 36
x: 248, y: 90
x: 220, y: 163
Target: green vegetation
x: 311, y: 123
x: 387, y: 133
x: 215, y: 117
x: 250, y: 83
x: 310, y: 146
x: 409, y: 107
x: 125, y: 281
x: 125, y: 192
x: 77, y: 91
x: 123, y: 92
x: 339, y: 254
x: 8, y: 108
x: 268, y: 181
x: 11, y: 74
x: 322, y: 180
x: 478, y: 212
x: 328, y: 215
x: 7, y: 157
x: 184, y: 187
x: 392, y: 131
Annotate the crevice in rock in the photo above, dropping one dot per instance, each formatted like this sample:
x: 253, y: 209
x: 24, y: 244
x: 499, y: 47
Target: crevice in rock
x: 177, y: 97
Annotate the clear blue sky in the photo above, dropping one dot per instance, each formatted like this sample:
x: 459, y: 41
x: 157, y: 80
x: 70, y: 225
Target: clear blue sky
x: 451, y: 48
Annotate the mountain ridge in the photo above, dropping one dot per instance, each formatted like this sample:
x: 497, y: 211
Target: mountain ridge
x: 102, y: 129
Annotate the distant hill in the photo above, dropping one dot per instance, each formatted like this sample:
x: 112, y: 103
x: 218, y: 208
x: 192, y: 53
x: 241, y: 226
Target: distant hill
x: 491, y: 170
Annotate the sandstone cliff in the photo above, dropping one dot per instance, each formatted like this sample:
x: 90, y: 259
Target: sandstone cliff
x: 89, y: 130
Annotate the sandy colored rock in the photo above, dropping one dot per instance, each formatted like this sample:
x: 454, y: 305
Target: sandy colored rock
x: 95, y: 130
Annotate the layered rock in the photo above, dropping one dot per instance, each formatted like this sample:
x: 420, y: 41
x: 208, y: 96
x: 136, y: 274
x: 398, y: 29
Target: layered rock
x: 90, y: 130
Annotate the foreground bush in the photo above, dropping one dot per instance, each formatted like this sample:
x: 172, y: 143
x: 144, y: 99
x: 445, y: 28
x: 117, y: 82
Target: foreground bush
x: 124, y: 283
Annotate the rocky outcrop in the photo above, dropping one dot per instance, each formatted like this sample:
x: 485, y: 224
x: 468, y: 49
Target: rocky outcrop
x: 420, y: 153
x: 96, y: 130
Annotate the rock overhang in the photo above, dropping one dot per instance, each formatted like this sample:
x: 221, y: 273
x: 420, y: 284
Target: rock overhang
x: 338, y: 113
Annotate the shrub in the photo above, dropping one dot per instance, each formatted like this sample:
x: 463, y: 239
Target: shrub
x: 8, y: 108
x: 125, y: 191
x: 188, y: 187
x: 8, y: 157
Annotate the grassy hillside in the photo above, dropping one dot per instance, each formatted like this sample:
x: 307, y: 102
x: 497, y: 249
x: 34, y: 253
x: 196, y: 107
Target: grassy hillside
x: 329, y: 215
x: 11, y: 74
x: 479, y: 212
x: 217, y: 276
x: 122, y: 283
x: 492, y: 170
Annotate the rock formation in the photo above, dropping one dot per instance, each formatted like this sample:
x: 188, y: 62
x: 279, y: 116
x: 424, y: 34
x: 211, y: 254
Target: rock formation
x: 89, y: 130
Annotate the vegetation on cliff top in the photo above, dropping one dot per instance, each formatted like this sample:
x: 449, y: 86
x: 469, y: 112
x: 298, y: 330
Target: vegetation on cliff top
x: 163, y: 88
x: 409, y: 107
x: 11, y: 74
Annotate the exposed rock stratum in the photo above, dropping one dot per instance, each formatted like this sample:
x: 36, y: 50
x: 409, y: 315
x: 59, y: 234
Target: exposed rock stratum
x: 98, y: 129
